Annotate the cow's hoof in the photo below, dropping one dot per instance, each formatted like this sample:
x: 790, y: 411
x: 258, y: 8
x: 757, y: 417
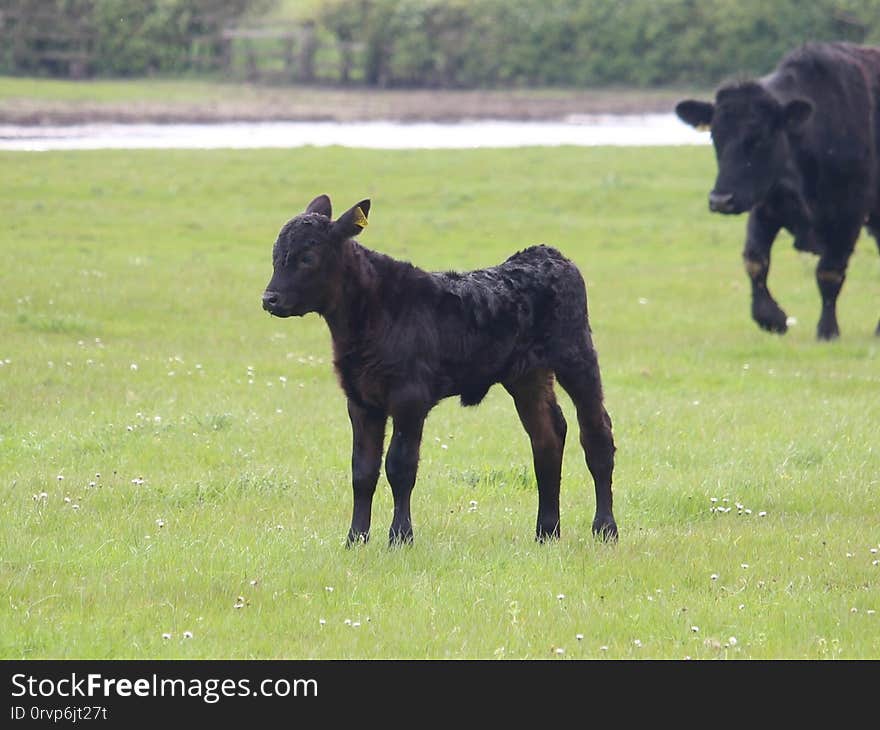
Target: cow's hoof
x: 827, y: 329
x: 769, y: 316
x: 828, y: 335
x: 605, y: 528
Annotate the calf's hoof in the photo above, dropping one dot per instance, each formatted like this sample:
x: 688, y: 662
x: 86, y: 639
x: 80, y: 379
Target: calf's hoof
x: 356, y: 538
x: 547, y: 534
x: 605, y: 528
x: 396, y: 538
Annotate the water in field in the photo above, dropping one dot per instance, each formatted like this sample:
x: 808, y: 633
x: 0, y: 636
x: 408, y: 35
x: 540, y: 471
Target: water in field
x: 587, y: 130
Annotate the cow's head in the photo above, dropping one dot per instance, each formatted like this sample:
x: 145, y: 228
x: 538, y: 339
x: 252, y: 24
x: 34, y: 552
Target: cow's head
x: 307, y: 259
x: 750, y: 132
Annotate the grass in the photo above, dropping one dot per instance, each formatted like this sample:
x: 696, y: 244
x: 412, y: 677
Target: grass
x: 114, y: 90
x: 173, y: 460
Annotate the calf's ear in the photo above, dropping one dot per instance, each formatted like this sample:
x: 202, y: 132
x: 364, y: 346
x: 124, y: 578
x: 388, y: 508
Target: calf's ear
x: 795, y: 113
x: 321, y: 205
x: 353, y: 221
x: 696, y: 113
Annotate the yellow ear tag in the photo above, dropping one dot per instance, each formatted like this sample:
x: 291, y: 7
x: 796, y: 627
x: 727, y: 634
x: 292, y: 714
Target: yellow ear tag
x: 359, y: 218
x: 703, y: 127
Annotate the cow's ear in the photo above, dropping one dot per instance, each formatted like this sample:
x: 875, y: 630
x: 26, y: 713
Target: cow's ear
x: 321, y: 205
x: 353, y: 221
x: 795, y: 113
x: 696, y: 113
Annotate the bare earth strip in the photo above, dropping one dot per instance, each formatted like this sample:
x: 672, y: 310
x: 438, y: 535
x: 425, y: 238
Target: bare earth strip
x: 249, y: 103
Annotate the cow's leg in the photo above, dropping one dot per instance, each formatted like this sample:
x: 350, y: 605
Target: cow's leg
x: 874, y: 229
x: 368, y: 436
x: 830, y: 275
x: 401, y: 465
x: 545, y: 425
x: 579, y: 374
x: 760, y: 233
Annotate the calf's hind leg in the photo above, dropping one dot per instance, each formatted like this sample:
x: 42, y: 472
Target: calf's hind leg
x: 579, y: 376
x: 543, y: 421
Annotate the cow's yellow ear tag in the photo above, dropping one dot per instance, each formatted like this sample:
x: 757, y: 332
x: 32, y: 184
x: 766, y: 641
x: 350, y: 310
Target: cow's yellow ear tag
x: 703, y: 127
x: 360, y: 219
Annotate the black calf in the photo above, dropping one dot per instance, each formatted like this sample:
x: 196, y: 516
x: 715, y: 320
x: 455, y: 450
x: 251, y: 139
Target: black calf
x: 403, y: 339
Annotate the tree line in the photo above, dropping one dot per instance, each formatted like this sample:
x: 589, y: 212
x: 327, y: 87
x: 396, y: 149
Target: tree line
x: 426, y: 43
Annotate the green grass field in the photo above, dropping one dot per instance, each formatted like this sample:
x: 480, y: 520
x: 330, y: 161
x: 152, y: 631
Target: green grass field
x: 174, y: 464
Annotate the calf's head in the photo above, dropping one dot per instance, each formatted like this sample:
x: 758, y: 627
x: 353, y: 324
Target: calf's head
x: 307, y: 259
x: 750, y: 131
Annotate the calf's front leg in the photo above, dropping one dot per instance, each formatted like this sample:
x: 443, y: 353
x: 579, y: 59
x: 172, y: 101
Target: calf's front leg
x: 368, y: 437
x: 401, y: 465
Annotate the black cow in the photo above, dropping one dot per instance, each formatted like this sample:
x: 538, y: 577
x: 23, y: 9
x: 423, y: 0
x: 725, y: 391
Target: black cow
x: 403, y: 339
x: 798, y: 149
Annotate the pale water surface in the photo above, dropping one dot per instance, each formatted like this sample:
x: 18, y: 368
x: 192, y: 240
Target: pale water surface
x: 587, y: 130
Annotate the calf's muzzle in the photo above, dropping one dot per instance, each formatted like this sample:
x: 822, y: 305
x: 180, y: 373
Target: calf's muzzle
x: 270, y: 300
